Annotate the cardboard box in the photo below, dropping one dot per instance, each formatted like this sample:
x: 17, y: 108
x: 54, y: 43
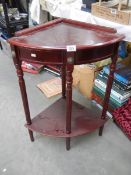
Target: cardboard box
x: 83, y: 79
x: 127, y: 61
x: 112, y: 14
x: 51, y: 87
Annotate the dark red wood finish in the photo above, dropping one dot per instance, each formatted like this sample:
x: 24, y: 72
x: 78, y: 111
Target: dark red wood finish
x: 22, y: 89
x: 63, y: 76
x: 109, y: 85
x: 51, y: 122
x: 47, y: 44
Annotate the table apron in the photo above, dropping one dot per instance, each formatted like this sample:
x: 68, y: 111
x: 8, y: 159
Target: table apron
x: 93, y: 54
x: 40, y: 56
x: 56, y: 57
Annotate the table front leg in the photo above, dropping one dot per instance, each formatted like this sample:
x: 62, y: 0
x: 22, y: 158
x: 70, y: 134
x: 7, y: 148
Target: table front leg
x: 109, y: 86
x: 63, y: 76
x: 23, y: 92
x: 25, y: 101
x: 69, y: 80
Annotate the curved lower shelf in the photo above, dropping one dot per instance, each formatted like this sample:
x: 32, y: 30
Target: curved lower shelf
x: 52, y: 121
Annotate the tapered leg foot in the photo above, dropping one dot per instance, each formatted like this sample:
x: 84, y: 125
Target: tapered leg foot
x: 101, y: 131
x: 67, y: 144
x: 31, y: 135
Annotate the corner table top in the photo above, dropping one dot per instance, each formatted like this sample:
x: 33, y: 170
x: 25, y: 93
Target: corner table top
x: 60, y: 33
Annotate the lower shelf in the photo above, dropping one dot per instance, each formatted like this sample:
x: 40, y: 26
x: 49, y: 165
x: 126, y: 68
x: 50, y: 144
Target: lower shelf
x: 52, y: 121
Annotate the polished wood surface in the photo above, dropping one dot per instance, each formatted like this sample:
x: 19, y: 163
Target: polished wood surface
x: 66, y: 33
x: 51, y: 122
x: 109, y: 85
x: 19, y: 72
x: 47, y: 44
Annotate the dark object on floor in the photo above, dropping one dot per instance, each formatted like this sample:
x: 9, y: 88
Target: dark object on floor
x: 122, y: 117
x: 31, y: 67
x: 51, y: 71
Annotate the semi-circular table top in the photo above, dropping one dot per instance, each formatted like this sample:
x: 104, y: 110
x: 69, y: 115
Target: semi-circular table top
x: 60, y: 33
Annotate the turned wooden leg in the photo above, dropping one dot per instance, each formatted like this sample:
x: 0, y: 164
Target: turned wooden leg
x: 23, y: 92
x: 25, y: 100
x: 63, y: 76
x: 109, y: 86
x: 69, y: 81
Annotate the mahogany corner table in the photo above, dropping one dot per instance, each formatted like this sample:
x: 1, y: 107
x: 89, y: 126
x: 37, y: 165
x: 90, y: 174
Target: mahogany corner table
x: 66, y: 43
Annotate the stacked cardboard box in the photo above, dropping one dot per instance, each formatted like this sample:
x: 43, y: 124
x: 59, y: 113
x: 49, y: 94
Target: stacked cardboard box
x: 114, y: 14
